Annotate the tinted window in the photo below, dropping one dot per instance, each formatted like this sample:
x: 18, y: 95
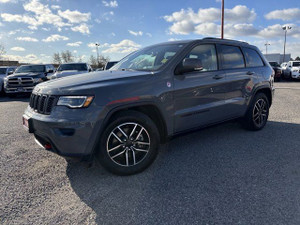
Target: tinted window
x: 2, y: 70
x: 296, y: 63
x: 33, y: 69
x: 253, y: 59
x: 207, y: 55
x: 232, y: 57
x: 73, y: 66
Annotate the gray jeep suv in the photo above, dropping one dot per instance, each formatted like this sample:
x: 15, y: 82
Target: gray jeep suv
x: 120, y: 116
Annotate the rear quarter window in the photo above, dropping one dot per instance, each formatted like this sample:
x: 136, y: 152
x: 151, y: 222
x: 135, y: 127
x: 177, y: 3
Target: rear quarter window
x: 252, y: 58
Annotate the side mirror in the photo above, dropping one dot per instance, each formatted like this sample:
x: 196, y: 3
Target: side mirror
x: 50, y: 71
x: 189, y: 65
x: 10, y: 72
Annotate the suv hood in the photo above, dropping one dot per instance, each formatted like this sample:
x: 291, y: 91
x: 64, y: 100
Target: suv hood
x: 86, y: 82
x: 26, y: 75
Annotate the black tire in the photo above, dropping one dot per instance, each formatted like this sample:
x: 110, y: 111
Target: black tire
x: 123, y: 164
x: 250, y: 120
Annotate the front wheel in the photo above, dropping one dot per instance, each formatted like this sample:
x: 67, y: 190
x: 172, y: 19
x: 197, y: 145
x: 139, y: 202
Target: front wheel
x: 258, y: 113
x: 129, y: 144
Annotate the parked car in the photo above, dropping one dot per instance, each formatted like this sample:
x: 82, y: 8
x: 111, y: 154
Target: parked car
x: 25, y: 77
x: 278, y: 71
x: 293, y: 69
x: 121, y: 116
x: 110, y: 64
x: 4, y: 71
x: 69, y: 69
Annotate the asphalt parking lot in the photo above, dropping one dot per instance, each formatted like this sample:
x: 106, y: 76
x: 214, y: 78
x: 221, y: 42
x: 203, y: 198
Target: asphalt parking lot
x: 218, y: 175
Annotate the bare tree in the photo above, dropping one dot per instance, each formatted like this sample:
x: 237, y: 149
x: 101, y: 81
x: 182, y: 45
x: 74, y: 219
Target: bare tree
x: 56, y: 58
x: 67, y: 56
x: 2, y: 50
x: 102, y: 60
x: 93, y: 61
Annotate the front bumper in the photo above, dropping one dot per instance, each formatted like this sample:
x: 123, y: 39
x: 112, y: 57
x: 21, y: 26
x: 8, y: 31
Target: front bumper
x: 296, y: 75
x: 66, y: 132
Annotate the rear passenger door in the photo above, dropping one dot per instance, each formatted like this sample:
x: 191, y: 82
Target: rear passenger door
x: 199, y: 95
x: 239, y: 80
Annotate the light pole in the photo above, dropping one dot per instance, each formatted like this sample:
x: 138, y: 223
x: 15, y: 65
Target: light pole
x: 97, y: 46
x: 285, y: 28
x: 266, y: 44
x: 222, y: 20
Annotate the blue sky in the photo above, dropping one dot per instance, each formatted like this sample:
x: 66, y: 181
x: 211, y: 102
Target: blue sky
x: 32, y: 30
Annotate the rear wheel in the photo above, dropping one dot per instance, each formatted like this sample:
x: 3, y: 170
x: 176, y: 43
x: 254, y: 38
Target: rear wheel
x: 129, y: 144
x: 258, y: 113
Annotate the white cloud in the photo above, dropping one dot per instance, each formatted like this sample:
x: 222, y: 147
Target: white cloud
x: 97, y: 20
x: 75, y: 44
x: 28, y: 39
x: 18, y: 49
x: 55, y: 37
x: 136, y: 33
x: 82, y: 28
x: 31, y: 58
x: 55, y: 7
x: 93, y: 45
x: 74, y: 16
x: 38, y: 14
x: 125, y: 46
x: 284, y: 14
x: 185, y: 21
x: 112, y: 4
x: 6, y: 1
x: 173, y: 39
x: 276, y: 31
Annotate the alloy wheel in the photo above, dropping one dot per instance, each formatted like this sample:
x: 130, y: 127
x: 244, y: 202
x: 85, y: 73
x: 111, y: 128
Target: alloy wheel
x: 128, y: 144
x: 260, y: 112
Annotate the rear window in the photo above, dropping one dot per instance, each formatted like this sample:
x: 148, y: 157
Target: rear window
x: 72, y: 66
x: 232, y: 57
x: 253, y: 59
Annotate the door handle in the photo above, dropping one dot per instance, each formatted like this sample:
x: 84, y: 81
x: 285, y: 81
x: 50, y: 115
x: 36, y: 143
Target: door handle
x: 250, y: 73
x: 218, y: 76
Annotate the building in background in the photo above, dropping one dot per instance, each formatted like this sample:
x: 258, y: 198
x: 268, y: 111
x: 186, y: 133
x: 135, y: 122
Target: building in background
x: 277, y: 57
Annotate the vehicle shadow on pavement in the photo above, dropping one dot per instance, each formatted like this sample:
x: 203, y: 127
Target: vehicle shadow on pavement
x: 222, y: 174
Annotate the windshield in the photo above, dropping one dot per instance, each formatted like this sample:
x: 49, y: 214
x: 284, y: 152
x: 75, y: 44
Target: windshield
x: 148, y: 59
x: 275, y: 64
x: 33, y: 69
x: 79, y: 67
x: 296, y: 63
x: 2, y: 70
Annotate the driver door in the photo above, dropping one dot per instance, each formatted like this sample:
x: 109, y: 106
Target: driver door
x: 199, y: 96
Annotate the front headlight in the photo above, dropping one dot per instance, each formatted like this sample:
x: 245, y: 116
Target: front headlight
x: 37, y: 80
x: 75, y: 101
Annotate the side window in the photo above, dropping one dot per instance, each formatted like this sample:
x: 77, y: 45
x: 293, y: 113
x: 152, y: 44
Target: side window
x: 232, y: 57
x: 252, y: 58
x: 207, y: 54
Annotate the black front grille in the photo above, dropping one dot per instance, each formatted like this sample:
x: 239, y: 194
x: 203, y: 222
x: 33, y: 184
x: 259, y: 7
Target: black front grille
x: 42, y: 103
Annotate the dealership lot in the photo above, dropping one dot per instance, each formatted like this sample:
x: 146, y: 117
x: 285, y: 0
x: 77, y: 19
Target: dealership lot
x: 219, y: 175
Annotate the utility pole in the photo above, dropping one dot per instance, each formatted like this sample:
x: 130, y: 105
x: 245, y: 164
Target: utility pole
x: 97, y: 46
x: 266, y: 44
x: 285, y: 28
x: 222, y: 21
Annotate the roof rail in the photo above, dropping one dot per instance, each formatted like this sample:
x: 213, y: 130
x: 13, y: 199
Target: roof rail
x: 223, y: 39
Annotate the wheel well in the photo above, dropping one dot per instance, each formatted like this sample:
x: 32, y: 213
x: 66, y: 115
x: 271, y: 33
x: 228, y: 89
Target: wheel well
x: 267, y: 92
x: 153, y: 113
